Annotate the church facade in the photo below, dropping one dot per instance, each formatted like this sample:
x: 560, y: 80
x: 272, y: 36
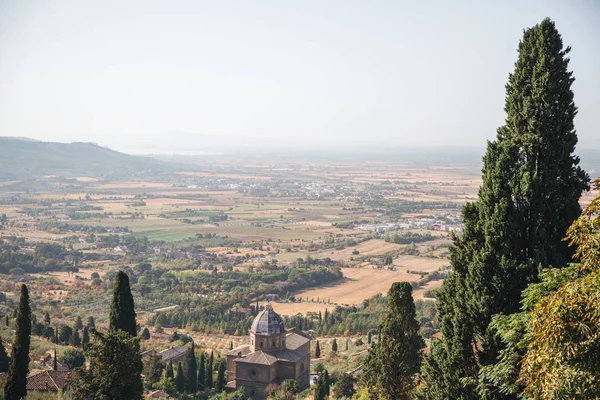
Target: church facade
x: 273, y: 355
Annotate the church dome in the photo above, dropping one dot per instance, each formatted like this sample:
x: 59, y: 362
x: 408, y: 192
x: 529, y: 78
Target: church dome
x: 268, y: 322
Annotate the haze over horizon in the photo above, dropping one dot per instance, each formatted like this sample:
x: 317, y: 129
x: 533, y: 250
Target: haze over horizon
x: 190, y: 76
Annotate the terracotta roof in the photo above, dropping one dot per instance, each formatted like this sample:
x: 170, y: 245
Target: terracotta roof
x: 158, y: 394
x: 244, y: 349
x: 258, y: 357
x: 172, y: 352
x: 290, y: 355
x: 293, y: 341
x: 48, y: 380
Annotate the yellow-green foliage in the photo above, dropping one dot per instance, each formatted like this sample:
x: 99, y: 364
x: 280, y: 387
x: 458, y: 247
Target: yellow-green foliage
x: 564, y: 354
x: 585, y: 234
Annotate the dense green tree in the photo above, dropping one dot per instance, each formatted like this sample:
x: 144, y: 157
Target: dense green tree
x: 55, y: 362
x: 4, y: 358
x: 75, y: 339
x: 202, y: 371
x: 180, y: 379
x: 208, y: 384
x: 393, y: 362
x: 47, y: 318
x: 334, y: 346
x: 515, y: 330
x: 321, y: 387
x: 16, y: 384
x: 291, y: 386
x: 78, y: 323
x: 115, y: 370
x: 73, y: 358
x: 191, y: 371
x: 65, y: 334
x: 369, y: 338
x: 344, y: 388
x: 528, y: 199
x: 85, y: 338
x: 122, y: 311
x: 317, y: 350
x: 91, y: 322
x: 221, y: 378
x: 169, y: 373
x: 152, y: 370
x: 145, y: 334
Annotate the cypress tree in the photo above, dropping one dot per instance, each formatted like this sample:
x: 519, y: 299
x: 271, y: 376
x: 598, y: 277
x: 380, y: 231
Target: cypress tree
x: 75, y: 339
x: 4, y: 358
x: 55, y: 364
x: 115, y: 370
x: 85, y: 339
x: 334, y: 346
x: 16, y: 385
x: 317, y: 350
x: 169, y: 371
x: 122, y: 311
x: 191, y: 371
x: 202, y: 372
x: 145, y: 334
x: 221, y: 379
x: 47, y: 318
x: 209, y: 373
x: 78, y: 323
x: 528, y: 199
x: 393, y: 362
x: 179, y: 379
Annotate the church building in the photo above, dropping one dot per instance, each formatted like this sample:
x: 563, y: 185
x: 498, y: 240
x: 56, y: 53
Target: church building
x: 273, y: 355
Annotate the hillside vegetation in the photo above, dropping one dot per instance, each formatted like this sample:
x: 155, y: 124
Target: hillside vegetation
x: 24, y: 159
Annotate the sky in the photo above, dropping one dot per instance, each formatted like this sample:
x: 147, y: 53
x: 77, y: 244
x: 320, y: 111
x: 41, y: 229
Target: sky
x: 164, y: 76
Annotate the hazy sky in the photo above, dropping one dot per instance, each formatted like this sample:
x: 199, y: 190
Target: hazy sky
x: 150, y: 74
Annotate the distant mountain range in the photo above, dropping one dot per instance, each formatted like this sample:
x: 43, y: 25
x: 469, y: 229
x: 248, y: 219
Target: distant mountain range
x: 24, y: 158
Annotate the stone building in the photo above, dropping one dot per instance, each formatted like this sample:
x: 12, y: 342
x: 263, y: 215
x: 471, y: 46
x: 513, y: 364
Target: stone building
x: 273, y: 355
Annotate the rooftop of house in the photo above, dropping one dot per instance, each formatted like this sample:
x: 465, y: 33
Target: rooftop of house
x: 260, y: 357
x: 172, y: 352
x: 293, y: 341
x: 244, y: 349
x: 48, y: 380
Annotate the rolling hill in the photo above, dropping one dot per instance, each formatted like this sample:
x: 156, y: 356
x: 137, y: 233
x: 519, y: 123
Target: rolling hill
x: 22, y: 158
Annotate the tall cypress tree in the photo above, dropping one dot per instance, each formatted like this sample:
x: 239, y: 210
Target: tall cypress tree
x: 180, y: 379
x: 16, y: 385
x: 528, y: 199
x: 221, y: 379
x: 209, y: 373
x: 394, y: 361
x: 122, y: 311
x: 169, y: 371
x: 202, y: 372
x: 4, y: 358
x: 191, y: 371
x: 85, y: 338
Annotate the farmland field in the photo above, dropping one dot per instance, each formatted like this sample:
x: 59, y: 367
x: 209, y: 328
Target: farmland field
x: 358, y: 284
